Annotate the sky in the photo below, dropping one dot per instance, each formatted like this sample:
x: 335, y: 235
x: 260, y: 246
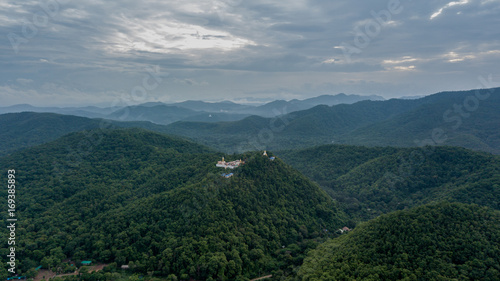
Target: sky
x: 116, y: 53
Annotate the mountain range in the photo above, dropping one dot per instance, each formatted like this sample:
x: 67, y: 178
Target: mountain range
x: 408, y: 204
x: 469, y: 119
x: 448, y: 118
x: 161, y: 113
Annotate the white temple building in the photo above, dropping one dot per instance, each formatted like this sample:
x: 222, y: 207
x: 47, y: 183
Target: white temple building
x: 230, y: 165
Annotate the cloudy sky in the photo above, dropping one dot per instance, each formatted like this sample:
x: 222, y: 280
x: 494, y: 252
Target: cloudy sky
x: 128, y: 52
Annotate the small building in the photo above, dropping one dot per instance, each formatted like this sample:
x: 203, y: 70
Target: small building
x: 86, y: 262
x: 221, y: 164
x: 344, y: 229
x: 125, y: 266
x: 227, y: 175
x: 229, y: 165
x: 272, y: 158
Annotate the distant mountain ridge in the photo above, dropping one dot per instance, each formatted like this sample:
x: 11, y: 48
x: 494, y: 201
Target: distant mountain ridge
x: 86, y: 111
x: 214, y: 107
x: 159, y: 114
x: 448, y: 118
x: 226, y: 110
x: 26, y: 129
x: 280, y: 107
x: 440, y: 119
x: 190, y: 110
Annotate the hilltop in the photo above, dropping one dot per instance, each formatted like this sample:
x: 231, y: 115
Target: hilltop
x: 159, y: 204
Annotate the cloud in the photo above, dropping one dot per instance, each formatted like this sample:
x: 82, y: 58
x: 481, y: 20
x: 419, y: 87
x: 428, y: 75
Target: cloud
x: 167, y: 36
x: 451, y: 4
x: 23, y: 81
x: 454, y: 57
x: 189, y: 82
x: 328, y: 61
x: 404, y: 68
x: 220, y: 49
x: 399, y: 61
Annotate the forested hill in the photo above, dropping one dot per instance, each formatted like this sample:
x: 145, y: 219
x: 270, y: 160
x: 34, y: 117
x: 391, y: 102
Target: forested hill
x: 318, y: 125
x: 433, y: 242
x: 159, y: 114
x: 20, y: 130
x: 372, y: 181
x: 468, y: 118
x: 160, y: 205
x: 26, y: 129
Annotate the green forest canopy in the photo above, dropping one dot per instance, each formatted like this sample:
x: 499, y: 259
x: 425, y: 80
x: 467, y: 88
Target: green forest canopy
x: 432, y: 242
x: 160, y: 205
x: 368, y: 182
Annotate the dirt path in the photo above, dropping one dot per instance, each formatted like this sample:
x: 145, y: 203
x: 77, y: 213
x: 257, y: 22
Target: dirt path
x: 50, y: 274
x: 66, y: 274
x: 263, y: 277
x: 44, y: 272
x: 96, y: 267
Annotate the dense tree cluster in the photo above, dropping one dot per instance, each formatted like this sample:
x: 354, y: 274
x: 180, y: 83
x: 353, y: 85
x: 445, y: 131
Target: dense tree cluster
x: 159, y: 204
x: 433, y: 242
x: 373, y: 181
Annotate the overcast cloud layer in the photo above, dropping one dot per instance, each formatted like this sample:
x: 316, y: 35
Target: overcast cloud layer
x: 128, y: 52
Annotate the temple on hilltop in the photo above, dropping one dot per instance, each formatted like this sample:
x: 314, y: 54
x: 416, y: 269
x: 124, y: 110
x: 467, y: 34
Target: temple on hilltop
x: 272, y: 158
x: 230, y: 165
